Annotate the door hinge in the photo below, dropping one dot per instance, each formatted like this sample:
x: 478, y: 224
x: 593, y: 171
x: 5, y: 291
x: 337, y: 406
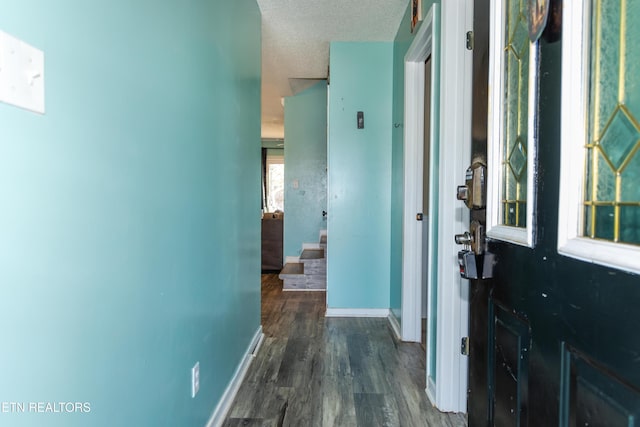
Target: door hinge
x: 469, y: 40
x: 464, y: 346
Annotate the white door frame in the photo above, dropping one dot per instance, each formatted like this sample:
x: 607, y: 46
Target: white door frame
x: 422, y: 47
x: 451, y: 152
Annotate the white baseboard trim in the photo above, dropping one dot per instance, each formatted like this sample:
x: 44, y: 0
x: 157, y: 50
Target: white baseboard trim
x: 431, y: 391
x: 311, y: 246
x: 395, y: 325
x: 357, y: 312
x: 292, y: 259
x: 303, y: 290
x: 220, y: 413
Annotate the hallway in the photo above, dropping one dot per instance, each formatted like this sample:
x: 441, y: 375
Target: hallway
x: 314, y: 371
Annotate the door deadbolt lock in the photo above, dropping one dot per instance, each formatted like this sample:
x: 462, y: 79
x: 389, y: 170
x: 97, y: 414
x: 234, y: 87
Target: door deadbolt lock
x: 473, y: 192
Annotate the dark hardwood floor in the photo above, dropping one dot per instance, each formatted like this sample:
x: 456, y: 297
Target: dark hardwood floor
x: 312, y: 371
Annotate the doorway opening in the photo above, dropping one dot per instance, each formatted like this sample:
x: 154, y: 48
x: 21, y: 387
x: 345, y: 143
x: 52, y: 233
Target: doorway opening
x: 419, y: 266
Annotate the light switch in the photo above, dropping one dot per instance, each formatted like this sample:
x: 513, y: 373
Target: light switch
x: 21, y: 74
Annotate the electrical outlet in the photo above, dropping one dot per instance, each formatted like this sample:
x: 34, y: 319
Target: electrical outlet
x: 195, y: 379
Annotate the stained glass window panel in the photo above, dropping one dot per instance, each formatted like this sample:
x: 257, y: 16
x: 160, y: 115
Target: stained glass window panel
x: 612, y: 181
x: 516, y: 93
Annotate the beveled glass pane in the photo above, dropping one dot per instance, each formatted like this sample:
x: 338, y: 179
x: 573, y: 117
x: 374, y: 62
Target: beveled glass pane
x: 605, y: 179
x: 522, y: 188
x: 630, y: 177
x: 510, y: 184
x: 523, y: 93
x: 511, y: 102
x: 588, y: 217
x: 520, y: 36
x: 630, y: 231
x: 518, y: 159
x: 604, y: 222
x: 510, y: 213
x: 619, y: 138
x: 632, y: 59
x: 522, y: 214
x: 606, y: 49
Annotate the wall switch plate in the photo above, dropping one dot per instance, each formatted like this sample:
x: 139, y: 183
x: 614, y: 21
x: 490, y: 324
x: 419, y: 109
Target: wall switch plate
x: 195, y: 379
x: 21, y: 74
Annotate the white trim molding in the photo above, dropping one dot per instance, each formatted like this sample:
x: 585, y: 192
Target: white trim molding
x: 575, y: 84
x: 224, y: 404
x: 395, y: 325
x: 442, y: 34
x: 357, y: 312
x: 431, y: 390
x: 453, y: 217
x: 421, y: 48
x: 495, y: 143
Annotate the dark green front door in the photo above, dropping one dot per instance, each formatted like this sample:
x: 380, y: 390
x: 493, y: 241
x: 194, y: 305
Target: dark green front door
x: 555, y: 341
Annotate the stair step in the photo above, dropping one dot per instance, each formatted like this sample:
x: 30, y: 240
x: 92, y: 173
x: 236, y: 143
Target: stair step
x: 292, y: 268
x: 310, y: 272
x: 306, y: 282
x: 308, y: 254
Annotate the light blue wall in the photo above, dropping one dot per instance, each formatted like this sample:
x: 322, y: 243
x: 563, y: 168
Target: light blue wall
x: 130, y: 211
x: 360, y: 175
x: 305, y: 157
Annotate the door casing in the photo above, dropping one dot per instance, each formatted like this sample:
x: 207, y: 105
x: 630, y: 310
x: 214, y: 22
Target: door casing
x: 450, y: 156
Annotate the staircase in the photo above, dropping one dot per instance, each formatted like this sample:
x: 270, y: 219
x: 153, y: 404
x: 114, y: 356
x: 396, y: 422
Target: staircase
x: 309, y: 273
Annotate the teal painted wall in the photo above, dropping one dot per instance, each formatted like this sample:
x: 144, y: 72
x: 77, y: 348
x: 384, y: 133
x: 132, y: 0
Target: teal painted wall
x: 130, y: 211
x: 305, y: 157
x: 359, y: 175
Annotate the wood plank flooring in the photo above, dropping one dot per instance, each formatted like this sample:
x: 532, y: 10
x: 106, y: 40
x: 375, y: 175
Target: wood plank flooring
x: 317, y: 371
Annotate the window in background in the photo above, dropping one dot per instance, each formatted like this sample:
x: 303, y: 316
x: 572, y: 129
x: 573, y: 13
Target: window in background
x: 275, y: 181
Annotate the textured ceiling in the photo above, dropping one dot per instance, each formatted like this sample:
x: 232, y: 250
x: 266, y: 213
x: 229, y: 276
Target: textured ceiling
x: 295, y: 44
